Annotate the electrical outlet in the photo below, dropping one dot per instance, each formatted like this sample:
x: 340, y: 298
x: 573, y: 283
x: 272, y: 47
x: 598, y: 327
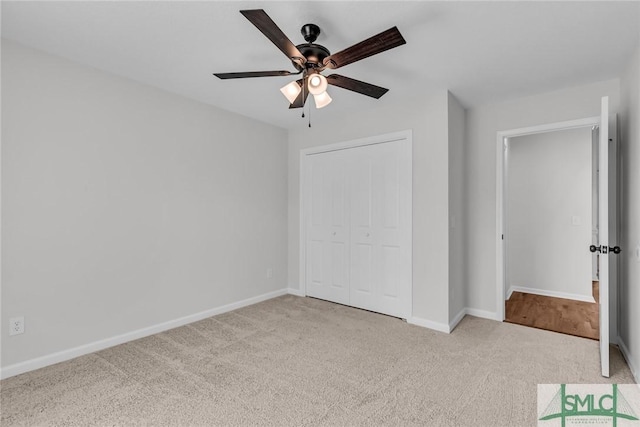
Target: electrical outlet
x: 16, y: 325
x: 269, y: 273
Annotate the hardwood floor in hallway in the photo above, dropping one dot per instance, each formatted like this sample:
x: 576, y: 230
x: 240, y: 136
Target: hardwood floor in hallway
x: 555, y: 314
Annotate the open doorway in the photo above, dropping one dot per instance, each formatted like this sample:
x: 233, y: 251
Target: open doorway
x: 550, y: 207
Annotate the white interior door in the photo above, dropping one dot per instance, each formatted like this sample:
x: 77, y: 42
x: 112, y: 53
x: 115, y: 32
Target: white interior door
x: 379, y: 280
x: 328, y: 229
x: 363, y: 275
x: 603, y: 233
x: 357, y: 203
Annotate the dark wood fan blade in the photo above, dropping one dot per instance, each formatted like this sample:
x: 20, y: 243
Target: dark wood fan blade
x: 246, y: 74
x: 302, y: 97
x: 373, y: 45
x: 265, y: 24
x: 356, y: 86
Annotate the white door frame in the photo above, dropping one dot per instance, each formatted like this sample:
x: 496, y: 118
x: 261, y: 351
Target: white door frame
x: 502, y: 136
x: 405, y: 135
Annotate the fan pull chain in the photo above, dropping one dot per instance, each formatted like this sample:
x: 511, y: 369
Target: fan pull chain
x: 303, y: 85
x: 309, y: 114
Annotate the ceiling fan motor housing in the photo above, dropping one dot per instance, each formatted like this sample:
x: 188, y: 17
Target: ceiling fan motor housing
x: 314, y: 53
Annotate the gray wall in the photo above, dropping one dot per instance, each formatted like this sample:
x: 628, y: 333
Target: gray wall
x: 482, y: 124
x: 548, y: 184
x: 630, y: 212
x: 428, y: 120
x: 457, y: 197
x: 124, y: 206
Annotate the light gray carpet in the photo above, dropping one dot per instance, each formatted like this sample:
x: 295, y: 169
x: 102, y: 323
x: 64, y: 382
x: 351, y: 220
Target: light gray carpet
x: 301, y: 361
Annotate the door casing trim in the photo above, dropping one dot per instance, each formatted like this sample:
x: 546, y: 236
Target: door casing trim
x: 501, y: 138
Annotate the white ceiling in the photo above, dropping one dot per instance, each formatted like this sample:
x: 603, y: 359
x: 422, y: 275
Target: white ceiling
x: 481, y: 51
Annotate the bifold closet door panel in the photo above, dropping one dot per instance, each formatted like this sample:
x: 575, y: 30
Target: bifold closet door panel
x: 357, y: 219
x: 380, y: 245
x: 363, y: 287
x: 327, y: 246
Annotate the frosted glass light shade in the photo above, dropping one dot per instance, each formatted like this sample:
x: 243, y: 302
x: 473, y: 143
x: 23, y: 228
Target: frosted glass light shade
x: 291, y: 91
x: 317, y: 84
x: 322, y: 100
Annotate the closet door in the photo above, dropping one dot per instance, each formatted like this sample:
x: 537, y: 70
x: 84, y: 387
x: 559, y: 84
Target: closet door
x: 356, y: 217
x: 327, y: 246
x: 380, y: 228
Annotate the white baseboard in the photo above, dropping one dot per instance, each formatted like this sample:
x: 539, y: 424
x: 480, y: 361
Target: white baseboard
x: 453, y: 323
x: 443, y: 327
x: 296, y: 292
x: 509, y: 292
x: 61, y: 356
x: 491, y: 315
x: 627, y: 356
x: 436, y: 326
x: 546, y: 293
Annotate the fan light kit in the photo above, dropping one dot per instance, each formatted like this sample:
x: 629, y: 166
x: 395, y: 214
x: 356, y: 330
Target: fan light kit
x: 310, y: 59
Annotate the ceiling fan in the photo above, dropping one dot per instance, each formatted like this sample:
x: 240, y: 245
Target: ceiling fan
x: 310, y: 59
